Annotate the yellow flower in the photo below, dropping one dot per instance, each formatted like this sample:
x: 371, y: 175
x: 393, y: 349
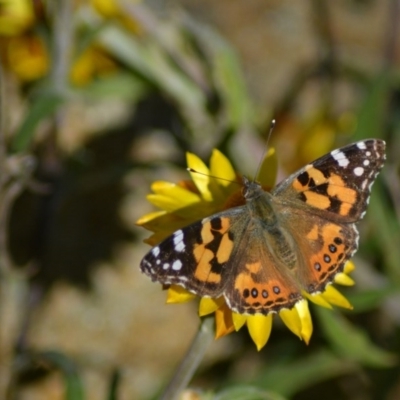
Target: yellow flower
x: 91, y: 63
x: 112, y: 9
x: 27, y: 57
x: 188, y: 201
x: 16, y: 16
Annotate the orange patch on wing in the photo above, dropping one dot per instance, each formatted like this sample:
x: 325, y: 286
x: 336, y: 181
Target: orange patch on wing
x: 206, y: 232
x: 336, y: 254
x: 225, y: 249
x: 336, y: 180
x: 313, y: 234
x: 345, y: 208
x: 203, y: 269
x: 266, y: 300
x: 317, y: 200
x: 254, y: 268
x: 225, y: 224
x: 338, y: 188
x: 298, y: 186
x: 316, y: 175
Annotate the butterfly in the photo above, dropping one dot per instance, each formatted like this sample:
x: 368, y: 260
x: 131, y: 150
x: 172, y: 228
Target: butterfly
x: 262, y: 255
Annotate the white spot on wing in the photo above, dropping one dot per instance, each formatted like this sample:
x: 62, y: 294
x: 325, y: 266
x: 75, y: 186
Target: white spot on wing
x: 156, y: 251
x: 165, y: 266
x: 366, y: 162
x: 177, y: 265
x: 364, y: 184
x: 361, y: 145
x: 358, y: 171
x: 178, y: 241
x: 340, y: 157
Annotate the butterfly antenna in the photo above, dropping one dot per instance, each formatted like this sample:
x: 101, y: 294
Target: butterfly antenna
x: 211, y: 176
x: 271, y: 128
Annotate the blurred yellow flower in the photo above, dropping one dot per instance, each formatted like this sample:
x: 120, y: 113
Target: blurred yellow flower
x: 16, y: 16
x: 114, y: 9
x: 93, y: 62
x: 27, y: 57
x: 186, y: 202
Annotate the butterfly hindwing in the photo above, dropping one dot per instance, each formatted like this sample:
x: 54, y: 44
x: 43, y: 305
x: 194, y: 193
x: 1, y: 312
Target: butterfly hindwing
x: 323, y: 249
x: 260, y: 283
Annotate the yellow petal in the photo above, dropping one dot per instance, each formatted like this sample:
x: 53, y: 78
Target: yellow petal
x: 221, y: 167
x: 223, y: 321
x: 268, y: 169
x: 161, y: 221
x: 349, y: 267
x: 238, y: 320
x: 180, y: 195
x: 202, y: 179
x: 343, y: 279
x: 292, y: 320
x: 259, y: 327
x: 305, y: 319
x: 317, y: 299
x: 335, y: 297
x: 149, y: 217
x: 208, y: 305
x: 177, y: 294
x: 171, y: 203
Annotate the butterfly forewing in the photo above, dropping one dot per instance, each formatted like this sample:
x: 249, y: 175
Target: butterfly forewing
x: 337, y: 184
x: 195, y: 257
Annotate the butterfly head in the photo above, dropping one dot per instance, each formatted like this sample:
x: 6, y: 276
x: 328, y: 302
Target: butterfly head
x: 251, y: 189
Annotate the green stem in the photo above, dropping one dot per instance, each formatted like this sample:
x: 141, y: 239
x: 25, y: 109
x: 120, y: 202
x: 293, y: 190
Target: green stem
x: 188, y: 366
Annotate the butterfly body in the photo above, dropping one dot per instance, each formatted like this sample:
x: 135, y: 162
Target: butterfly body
x: 262, y: 255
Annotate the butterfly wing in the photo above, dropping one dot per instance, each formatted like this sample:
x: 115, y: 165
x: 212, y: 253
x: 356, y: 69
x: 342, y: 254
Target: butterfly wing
x: 323, y: 248
x: 334, y: 191
x: 337, y: 186
x: 225, y: 254
x: 196, y: 256
x: 260, y: 282
x: 241, y: 258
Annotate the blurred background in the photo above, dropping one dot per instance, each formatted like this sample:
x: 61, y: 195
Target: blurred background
x: 100, y: 98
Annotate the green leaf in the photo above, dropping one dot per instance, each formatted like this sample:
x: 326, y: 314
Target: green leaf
x: 73, y: 383
x: 230, y: 82
x: 384, y: 221
x: 351, y: 342
x: 372, y: 112
x: 114, y: 385
x: 120, y: 85
x: 41, y: 107
x: 306, y: 372
x: 150, y: 61
x: 367, y: 300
